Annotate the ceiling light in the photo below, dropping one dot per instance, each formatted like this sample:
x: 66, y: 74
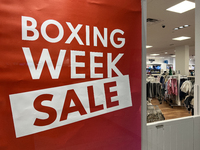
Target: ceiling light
x: 173, y: 55
x: 181, y: 27
x: 154, y: 54
x: 181, y: 38
x: 182, y: 7
x: 165, y: 52
x: 148, y: 46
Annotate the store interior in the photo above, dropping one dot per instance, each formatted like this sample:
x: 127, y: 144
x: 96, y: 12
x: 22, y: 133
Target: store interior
x: 170, y: 59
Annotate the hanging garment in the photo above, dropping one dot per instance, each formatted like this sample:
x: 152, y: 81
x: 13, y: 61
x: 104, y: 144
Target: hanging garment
x: 186, y: 86
x: 169, y: 89
x: 162, y: 79
x: 192, y: 102
x: 174, y: 86
x: 182, y: 94
x: 192, y: 91
x: 158, y: 89
x: 188, y: 102
x: 149, y: 90
x: 154, y: 89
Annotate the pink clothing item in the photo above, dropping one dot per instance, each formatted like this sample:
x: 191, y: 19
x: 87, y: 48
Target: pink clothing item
x: 172, y: 86
x: 169, y: 90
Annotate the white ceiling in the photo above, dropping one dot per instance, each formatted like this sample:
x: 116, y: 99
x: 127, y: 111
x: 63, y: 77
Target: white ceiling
x: 161, y: 38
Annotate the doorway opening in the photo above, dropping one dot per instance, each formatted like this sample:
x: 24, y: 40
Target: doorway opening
x: 170, y: 61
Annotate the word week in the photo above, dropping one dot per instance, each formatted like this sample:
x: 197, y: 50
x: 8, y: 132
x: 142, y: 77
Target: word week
x: 74, y: 65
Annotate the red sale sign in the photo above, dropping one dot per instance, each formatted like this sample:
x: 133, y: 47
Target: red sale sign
x: 70, y: 75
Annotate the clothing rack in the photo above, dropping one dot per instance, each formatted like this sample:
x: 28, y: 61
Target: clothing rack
x: 177, y: 97
x: 190, y: 97
x: 153, y: 88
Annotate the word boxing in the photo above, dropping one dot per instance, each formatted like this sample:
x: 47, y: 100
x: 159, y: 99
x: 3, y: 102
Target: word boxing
x: 96, y: 33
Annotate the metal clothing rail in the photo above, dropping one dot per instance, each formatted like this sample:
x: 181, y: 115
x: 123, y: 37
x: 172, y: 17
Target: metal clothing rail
x: 177, y: 97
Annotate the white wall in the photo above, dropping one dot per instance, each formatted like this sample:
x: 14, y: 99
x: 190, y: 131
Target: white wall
x: 174, y: 134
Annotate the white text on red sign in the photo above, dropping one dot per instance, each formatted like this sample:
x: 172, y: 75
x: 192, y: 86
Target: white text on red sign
x: 58, y: 106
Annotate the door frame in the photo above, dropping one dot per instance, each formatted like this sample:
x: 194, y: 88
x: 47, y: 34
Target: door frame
x: 144, y: 142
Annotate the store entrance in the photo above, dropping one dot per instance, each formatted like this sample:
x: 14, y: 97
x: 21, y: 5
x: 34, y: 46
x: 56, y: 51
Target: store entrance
x: 172, y: 86
x: 170, y: 63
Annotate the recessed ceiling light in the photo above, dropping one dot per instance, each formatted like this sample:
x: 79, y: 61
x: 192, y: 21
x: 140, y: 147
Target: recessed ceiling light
x: 182, y: 7
x: 181, y: 27
x: 154, y: 54
x: 173, y: 55
x: 148, y: 46
x: 165, y: 52
x: 186, y: 25
x: 181, y: 38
